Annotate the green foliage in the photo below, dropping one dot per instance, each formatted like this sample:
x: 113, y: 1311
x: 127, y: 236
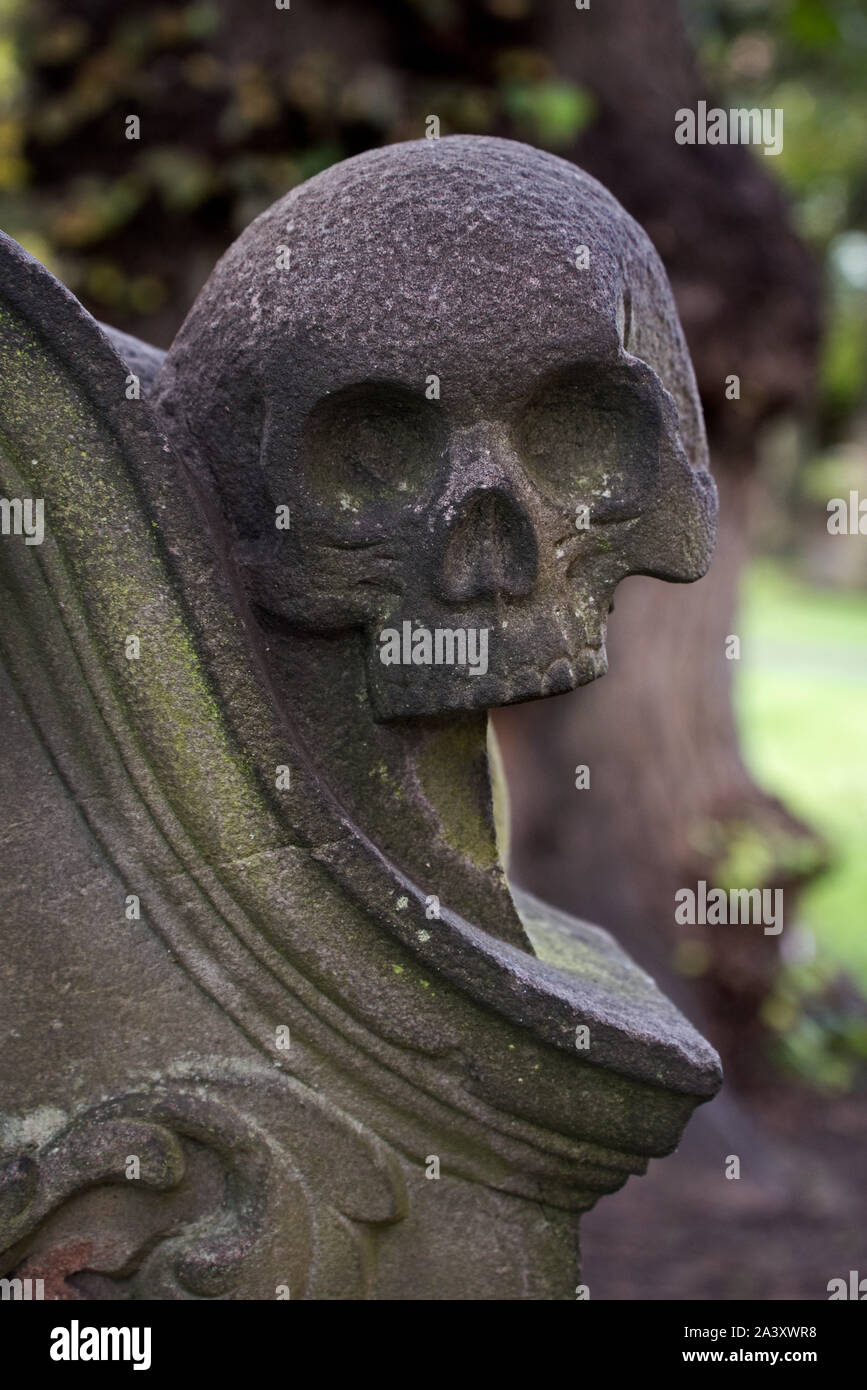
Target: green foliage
x: 232, y: 118
x: 809, y: 58
x: 548, y: 113
x: 820, y: 1026
x: 801, y: 699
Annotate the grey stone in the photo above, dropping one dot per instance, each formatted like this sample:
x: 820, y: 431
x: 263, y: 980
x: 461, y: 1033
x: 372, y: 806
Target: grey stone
x: 142, y: 359
x: 330, y: 994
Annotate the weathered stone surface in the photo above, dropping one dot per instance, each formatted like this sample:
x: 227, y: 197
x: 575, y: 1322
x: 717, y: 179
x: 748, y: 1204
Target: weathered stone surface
x: 362, y: 906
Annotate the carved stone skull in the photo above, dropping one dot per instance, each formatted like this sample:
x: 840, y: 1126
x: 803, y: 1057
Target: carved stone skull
x: 459, y: 366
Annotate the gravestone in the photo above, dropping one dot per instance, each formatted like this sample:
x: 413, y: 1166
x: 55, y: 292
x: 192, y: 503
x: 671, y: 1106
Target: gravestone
x: 276, y: 1026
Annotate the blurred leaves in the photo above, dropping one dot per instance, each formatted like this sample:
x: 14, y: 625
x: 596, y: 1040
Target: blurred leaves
x: 809, y: 58
x: 743, y: 853
x: 548, y: 113
x: 94, y: 209
x: 181, y: 178
x: 819, y: 1025
x: 233, y: 114
x: 231, y: 117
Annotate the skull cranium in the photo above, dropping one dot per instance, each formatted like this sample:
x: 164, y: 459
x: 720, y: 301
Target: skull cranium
x: 471, y: 428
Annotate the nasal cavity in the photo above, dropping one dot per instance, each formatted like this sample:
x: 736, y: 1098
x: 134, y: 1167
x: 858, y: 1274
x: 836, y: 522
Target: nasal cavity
x: 490, y: 550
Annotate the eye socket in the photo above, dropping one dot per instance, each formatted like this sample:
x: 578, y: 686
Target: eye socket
x: 591, y: 437
x: 372, y: 443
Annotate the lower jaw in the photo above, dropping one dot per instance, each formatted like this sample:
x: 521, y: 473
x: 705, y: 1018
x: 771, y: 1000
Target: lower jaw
x: 454, y: 688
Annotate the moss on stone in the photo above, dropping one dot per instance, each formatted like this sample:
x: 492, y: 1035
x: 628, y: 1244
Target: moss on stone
x: 453, y: 772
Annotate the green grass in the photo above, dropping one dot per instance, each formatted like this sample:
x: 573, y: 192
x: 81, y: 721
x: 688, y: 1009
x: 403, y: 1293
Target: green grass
x: 801, y: 699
